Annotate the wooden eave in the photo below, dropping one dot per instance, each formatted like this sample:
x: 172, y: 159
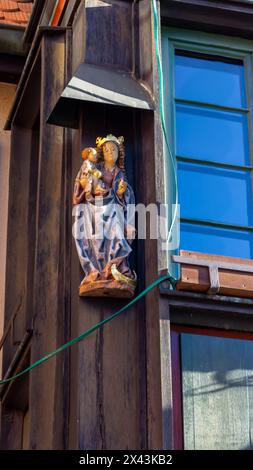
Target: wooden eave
x: 70, y: 11
x: 42, y: 13
x: 11, y: 40
x: 41, y: 17
x: 34, y: 20
x: 12, y: 52
x: 223, y: 17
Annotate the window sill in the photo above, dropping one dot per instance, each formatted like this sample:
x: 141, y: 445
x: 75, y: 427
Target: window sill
x: 215, y: 274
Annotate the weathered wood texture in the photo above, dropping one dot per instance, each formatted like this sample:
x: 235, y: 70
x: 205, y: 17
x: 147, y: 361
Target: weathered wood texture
x: 232, y: 282
x: 26, y: 116
x: 20, y: 232
x: 151, y: 191
x: 14, y: 404
x: 119, y: 370
x: 70, y: 11
x: 110, y: 373
x: 116, y: 389
x: 212, y: 311
x: 11, y: 428
x: 109, y: 34
x: 177, y: 418
x: 219, y: 17
x: 7, y: 92
x: 115, y: 375
x: 17, y: 242
x: 149, y: 274
x: 166, y: 374
x: 77, y: 51
x: 47, y: 382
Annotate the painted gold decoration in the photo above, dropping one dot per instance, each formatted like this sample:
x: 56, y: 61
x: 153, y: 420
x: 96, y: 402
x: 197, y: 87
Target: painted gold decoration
x: 102, y: 231
x: 109, y: 138
x: 120, y: 277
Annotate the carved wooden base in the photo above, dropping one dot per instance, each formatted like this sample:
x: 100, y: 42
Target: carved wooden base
x: 109, y: 288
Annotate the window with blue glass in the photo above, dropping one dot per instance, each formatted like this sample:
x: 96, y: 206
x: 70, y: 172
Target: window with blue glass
x: 212, y: 144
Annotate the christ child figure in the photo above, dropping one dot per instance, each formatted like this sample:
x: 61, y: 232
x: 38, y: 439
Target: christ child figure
x: 89, y: 178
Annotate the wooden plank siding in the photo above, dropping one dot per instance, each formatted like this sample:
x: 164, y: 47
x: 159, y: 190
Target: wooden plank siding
x: 105, y: 393
x: 116, y: 385
x: 7, y: 92
x: 112, y: 391
x: 21, y: 221
x: 107, y: 385
x: 35, y: 275
x: 17, y: 241
x: 47, y: 382
x: 115, y: 397
x: 152, y: 191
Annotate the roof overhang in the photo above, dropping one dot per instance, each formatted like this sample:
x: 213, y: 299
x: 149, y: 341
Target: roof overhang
x: 99, y: 84
x: 11, y: 40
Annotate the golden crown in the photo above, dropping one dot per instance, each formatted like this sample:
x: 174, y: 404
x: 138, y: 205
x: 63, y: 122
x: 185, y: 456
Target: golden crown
x: 109, y: 138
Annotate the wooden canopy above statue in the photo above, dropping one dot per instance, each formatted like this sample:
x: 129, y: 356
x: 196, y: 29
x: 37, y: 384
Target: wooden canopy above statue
x: 99, y: 84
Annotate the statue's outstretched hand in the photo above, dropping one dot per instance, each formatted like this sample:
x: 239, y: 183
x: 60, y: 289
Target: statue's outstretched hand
x: 121, y: 187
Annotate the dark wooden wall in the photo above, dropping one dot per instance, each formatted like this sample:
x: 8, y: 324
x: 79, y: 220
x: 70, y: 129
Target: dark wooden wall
x: 117, y: 378
x: 47, y: 382
x: 106, y: 392
x: 35, y: 293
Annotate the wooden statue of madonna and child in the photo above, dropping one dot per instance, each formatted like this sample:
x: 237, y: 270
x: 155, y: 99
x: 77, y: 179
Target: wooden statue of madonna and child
x: 104, y: 225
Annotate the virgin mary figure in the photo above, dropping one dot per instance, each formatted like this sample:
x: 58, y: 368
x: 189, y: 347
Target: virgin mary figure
x: 104, y: 222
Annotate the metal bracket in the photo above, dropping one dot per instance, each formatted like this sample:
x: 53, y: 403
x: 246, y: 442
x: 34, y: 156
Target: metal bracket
x: 214, y: 279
